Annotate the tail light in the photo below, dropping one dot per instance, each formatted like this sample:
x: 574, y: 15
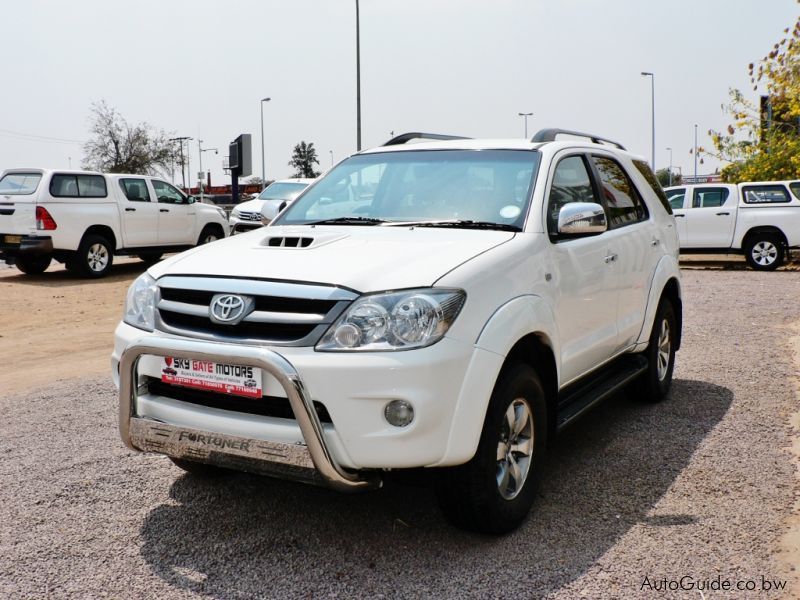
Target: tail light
x: 44, y: 221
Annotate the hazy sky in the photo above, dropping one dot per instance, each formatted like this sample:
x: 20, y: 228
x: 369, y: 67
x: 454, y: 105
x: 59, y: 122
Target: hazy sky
x: 200, y: 67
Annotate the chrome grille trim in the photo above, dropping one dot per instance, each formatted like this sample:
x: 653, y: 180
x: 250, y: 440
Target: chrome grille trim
x: 309, y: 326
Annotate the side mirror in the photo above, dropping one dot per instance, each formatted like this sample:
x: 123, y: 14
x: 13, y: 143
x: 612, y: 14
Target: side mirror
x: 191, y: 200
x: 578, y: 218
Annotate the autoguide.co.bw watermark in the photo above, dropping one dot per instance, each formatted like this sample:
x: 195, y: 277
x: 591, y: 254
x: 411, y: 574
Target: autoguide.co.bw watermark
x: 719, y: 583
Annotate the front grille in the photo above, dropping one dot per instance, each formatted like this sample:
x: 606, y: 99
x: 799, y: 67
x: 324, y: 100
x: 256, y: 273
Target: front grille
x: 266, y: 406
x: 250, y: 216
x: 282, y: 313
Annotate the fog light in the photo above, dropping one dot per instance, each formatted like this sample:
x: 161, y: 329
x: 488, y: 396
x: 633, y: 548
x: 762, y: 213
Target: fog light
x: 399, y: 413
x: 347, y: 335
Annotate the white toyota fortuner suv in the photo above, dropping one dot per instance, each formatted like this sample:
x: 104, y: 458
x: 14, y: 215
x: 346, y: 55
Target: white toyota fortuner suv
x: 447, y: 304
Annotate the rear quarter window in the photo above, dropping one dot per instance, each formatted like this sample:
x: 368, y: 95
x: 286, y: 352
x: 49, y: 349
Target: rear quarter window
x: 64, y: 185
x: 650, y: 177
x: 765, y: 194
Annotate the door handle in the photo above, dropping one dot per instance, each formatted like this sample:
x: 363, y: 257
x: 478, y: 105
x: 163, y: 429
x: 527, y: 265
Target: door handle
x: 723, y: 213
x: 163, y: 210
x: 611, y: 258
x: 676, y: 216
x: 654, y: 242
x: 130, y: 210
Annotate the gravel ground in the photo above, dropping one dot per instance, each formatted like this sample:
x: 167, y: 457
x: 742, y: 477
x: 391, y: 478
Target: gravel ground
x: 698, y: 486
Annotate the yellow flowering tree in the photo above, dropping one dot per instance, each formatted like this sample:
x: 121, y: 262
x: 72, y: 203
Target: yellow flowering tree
x: 763, y: 147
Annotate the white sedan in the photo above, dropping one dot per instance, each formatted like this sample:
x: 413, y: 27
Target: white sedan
x: 266, y: 206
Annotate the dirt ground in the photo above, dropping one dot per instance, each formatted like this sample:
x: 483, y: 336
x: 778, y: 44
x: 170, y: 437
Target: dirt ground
x: 56, y: 326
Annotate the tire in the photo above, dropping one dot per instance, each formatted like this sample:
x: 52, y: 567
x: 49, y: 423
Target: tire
x: 94, y: 257
x: 764, y: 252
x: 654, y: 384
x: 33, y: 265
x: 484, y: 495
x: 198, y: 469
x: 150, y: 259
x: 208, y: 235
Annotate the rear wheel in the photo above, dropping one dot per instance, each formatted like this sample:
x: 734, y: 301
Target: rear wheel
x: 33, y: 265
x: 94, y: 257
x: 764, y: 252
x: 494, y: 492
x: 654, y: 384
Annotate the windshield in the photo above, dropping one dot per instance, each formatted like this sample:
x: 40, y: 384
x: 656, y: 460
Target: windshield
x: 492, y: 186
x: 282, y: 191
x: 20, y: 183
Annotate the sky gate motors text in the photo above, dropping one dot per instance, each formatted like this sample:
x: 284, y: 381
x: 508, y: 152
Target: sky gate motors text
x: 210, y: 367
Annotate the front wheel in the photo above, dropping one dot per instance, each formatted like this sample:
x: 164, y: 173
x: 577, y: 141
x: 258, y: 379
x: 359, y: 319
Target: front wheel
x: 33, y: 265
x: 654, y: 384
x: 494, y: 492
x: 764, y: 252
x: 208, y: 235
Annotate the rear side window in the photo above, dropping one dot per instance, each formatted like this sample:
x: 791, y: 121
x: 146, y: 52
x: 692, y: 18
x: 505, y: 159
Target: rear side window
x: 65, y: 185
x: 676, y: 197
x: 709, y: 197
x: 22, y: 184
x: 622, y: 201
x: 135, y: 189
x: 795, y: 187
x: 765, y: 194
x: 647, y: 173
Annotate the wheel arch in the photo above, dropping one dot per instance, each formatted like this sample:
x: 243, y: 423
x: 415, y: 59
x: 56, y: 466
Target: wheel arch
x: 536, y: 350
x: 103, y: 231
x: 761, y: 230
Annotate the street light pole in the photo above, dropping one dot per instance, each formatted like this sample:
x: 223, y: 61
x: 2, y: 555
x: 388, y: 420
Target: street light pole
x: 331, y: 151
x: 695, y: 153
x: 525, y: 117
x: 263, y: 169
x: 358, y: 81
x: 670, y: 165
x: 652, y: 115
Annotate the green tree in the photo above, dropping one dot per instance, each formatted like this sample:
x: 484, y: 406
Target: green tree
x: 663, y: 177
x: 116, y: 146
x: 304, y: 157
x: 757, y: 147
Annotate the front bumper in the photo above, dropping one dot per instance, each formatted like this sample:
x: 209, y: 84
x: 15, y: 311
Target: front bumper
x: 447, y: 383
x: 12, y: 246
x: 240, y: 225
x: 308, y: 461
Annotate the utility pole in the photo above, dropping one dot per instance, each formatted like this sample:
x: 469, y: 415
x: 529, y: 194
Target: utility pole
x: 652, y: 116
x: 525, y: 116
x: 358, y: 82
x: 695, y: 153
x: 180, y: 141
x: 670, y: 165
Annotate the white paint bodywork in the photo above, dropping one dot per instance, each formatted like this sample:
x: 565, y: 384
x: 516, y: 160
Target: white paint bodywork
x: 726, y: 226
x: 585, y: 308
x: 144, y: 224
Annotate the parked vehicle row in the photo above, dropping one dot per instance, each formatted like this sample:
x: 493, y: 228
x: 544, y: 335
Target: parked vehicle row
x: 759, y: 219
x: 83, y: 219
x: 262, y: 209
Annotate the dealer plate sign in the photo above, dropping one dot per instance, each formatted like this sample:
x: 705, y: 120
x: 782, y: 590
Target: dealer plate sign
x: 210, y: 376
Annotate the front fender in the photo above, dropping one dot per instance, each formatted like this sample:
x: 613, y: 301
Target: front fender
x: 510, y: 323
x: 667, y: 269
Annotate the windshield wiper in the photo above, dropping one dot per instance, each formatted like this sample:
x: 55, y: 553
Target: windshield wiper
x: 456, y: 223
x: 348, y: 221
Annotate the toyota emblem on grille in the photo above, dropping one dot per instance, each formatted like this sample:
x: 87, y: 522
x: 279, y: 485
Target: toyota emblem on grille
x: 229, y: 309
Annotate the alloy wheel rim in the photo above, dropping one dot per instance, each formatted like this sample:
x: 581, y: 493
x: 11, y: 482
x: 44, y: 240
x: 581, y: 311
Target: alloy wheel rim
x: 764, y: 253
x: 664, y: 350
x: 514, y: 449
x: 210, y: 238
x: 97, y: 257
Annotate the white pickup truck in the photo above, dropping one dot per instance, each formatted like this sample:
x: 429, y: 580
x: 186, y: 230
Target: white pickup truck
x: 447, y: 304
x: 83, y: 219
x: 759, y: 219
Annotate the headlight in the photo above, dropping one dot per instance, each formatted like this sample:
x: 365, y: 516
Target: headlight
x: 140, y: 303
x: 235, y: 213
x: 394, y: 320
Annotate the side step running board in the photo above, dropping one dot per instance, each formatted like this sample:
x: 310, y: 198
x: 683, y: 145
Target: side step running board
x: 581, y: 396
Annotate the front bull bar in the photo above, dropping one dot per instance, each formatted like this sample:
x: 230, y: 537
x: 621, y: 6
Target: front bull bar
x: 332, y: 473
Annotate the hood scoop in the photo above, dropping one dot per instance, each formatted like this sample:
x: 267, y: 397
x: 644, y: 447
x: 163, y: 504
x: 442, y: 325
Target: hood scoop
x: 299, y: 240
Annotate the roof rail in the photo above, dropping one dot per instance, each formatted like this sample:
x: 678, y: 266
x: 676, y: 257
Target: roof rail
x: 549, y: 135
x: 407, y: 137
